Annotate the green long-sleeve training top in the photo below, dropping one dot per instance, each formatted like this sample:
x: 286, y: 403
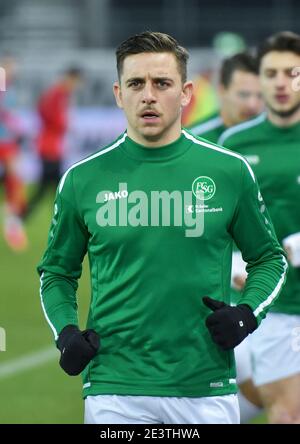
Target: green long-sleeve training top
x: 158, y: 226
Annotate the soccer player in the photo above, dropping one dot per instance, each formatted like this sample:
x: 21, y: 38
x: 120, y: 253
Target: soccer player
x: 53, y: 109
x: 159, y: 342
x: 271, y: 144
x: 240, y: 97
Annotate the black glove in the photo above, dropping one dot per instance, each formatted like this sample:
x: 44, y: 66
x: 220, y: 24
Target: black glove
x: 77, y: 348
x: 228, y: 325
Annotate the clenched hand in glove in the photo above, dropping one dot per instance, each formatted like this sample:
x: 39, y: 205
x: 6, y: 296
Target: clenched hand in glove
x: 77, y: 348
x: 229, y: 325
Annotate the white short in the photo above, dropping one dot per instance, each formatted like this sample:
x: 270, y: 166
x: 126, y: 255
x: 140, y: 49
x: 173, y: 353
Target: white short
x: 275, y: 348
x: 117, y: 409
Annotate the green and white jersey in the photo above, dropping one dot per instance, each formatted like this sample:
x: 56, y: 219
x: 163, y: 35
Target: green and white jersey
x: 210, y: 128
x: 274, y: 154
x: 138, y: 212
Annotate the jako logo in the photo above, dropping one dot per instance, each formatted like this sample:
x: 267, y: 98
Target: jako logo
x: 115, y: 195
x: 204, y: 188
x: 2, y: 340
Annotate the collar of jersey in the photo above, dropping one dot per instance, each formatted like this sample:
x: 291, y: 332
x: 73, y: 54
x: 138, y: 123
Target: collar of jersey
x: 157, y: 154
x: 294, y: 128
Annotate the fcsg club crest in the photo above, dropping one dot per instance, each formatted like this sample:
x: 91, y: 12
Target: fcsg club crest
x: 204, y: 188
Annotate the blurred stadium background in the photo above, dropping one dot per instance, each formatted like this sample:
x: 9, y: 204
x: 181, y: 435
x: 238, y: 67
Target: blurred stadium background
x: 45, y: 37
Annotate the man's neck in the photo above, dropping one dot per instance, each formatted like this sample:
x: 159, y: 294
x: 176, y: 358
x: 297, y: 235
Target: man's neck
x: 281, y: 121
x: 149, y: 142
x: 226, y: 120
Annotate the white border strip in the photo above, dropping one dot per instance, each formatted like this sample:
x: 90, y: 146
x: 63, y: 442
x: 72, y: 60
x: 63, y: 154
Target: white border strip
x: 241, y: 126
x: 206, y: 126
x: 274, y: 293
x: 44, y: 310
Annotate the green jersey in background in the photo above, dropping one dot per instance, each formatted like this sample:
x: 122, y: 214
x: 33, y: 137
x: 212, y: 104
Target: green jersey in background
x: 274, y: 155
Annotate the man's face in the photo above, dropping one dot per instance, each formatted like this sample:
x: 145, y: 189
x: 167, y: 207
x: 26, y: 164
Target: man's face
x: 75, y: 82
x: 277, y: 82
x: 242, y: 99
x: 152, y: 95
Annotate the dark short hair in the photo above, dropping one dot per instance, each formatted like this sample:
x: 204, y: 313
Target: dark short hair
x: 242, y: 61
x: 74, y: 71
x: 285, y: 41
x: 152, y: 42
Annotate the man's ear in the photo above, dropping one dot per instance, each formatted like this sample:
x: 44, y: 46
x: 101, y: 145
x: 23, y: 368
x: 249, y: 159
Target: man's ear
x: 118, y: 94
x: 187, y: 92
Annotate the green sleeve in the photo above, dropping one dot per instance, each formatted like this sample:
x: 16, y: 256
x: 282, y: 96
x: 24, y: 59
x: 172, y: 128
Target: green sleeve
x: 61, y: 265
x: 254, y: 235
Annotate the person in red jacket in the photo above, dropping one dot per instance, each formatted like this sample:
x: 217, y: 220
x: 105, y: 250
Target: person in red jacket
x: 10, y: 137
x: 52, y: 108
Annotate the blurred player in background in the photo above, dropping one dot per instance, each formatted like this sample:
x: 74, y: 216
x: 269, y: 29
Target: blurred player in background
x: 240, y: 97
x: 53, y: 110
x: 10, y: 137
x: 271, y: 143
